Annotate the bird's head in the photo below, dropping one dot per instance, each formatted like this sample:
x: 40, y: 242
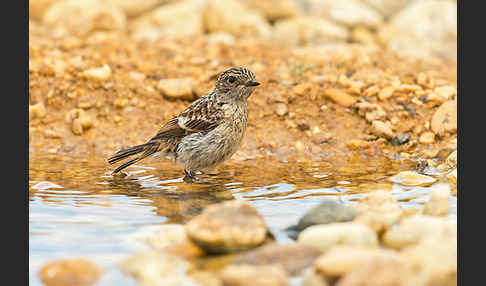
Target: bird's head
x: 237, y: 83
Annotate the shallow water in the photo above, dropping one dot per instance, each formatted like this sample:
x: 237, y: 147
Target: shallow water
x: 77, y: 209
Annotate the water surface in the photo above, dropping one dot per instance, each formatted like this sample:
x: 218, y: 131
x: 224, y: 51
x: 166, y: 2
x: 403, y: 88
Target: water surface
x: 77, y: 209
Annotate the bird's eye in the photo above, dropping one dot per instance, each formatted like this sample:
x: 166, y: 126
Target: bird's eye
x: 231, y: 79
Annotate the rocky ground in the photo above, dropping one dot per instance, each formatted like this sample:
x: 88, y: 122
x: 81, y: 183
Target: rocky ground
x: 103, y: 78
x: 371, y: 77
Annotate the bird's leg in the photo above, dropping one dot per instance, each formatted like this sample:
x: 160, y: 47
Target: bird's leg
x: 190, y: 176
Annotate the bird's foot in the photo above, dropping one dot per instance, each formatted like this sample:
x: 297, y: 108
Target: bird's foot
x: 190, y: 177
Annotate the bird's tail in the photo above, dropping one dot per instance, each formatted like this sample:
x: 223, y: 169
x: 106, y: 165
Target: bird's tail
x: 146, y: 149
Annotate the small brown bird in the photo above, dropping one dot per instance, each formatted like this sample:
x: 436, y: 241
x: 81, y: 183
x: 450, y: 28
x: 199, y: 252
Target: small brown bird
x: 208, y: 132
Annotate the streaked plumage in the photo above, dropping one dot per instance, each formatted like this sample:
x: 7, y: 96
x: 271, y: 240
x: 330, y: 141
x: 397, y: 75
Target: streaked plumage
x: 208, y: 132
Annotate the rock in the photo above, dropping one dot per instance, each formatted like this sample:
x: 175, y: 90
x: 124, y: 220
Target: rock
x: 350, y: 13
x: 134, y: 8
x: 409, y: 178
x: 221, y: 38
x: 81, y: 124
x: 177, y: 88
x: 363, y: 35
x: 384, y: 269
x: 451, y: 177
x: 321, y: 137
x: 439, y: 201
x: 432, y: 262
x: 173, y: 239
x: 378, y: 210
x: 311, y: 278
x: 37, y: 111
x: 74, y: 271
x: 168, y: 235
x: 99, y: 74
x: 157, y: 268
x: 445, y: 92
x: 358, y: 143
x: 405, y: 32
x: 281, y: 109
x: 179, y: 19
x: 299, y: 146
x: 305, y: 30
x: 233, y: 17
x: 292, y: 257
x: 227, y: 227
x: 417, y: 228
x: 340, y: 97
x: 79, y: 121
x: 371, y: 111
x: 387, y: 8
x: 381, y: 129
x: 206, y: 278
x: 250, y: 275
x: 274, y: 9
x: 450, y: 163
x: 451, y: 160
x: 400, y: 139
x: 328, y: 211
x: 377, y: 114
x: 408, y: 88
x: 302, y: 89
x: 427, y: 138
x: 386, y: 92
x: 445, y: 118
x: 84, y: 17
x: 324, y: 237
x: 340, y: 260
x: 37, y: 8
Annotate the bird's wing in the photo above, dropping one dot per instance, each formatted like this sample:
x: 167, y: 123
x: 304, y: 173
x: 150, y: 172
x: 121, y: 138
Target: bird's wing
x: 202, y: 115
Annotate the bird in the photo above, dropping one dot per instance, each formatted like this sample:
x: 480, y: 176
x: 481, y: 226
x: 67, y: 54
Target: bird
x: 206, y: 133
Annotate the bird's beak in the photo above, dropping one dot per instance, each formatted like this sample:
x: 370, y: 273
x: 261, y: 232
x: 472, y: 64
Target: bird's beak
x: 252, y: 83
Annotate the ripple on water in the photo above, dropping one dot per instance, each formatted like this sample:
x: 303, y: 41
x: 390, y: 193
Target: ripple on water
x: 76, y: 208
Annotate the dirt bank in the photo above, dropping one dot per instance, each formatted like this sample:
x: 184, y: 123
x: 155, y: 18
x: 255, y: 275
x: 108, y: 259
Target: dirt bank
x: 97, y: 93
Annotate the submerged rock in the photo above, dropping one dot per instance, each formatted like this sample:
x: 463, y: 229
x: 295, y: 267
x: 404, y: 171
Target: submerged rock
x: 409, y: 178
x: 227, y: 227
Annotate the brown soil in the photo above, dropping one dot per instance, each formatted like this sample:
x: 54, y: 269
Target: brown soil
x: 128, y: 109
